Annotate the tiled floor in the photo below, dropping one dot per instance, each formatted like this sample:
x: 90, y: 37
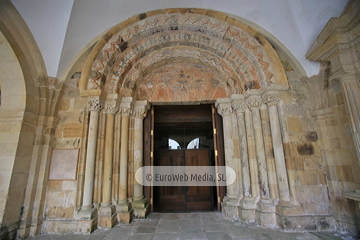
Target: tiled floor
x: 169, y: 226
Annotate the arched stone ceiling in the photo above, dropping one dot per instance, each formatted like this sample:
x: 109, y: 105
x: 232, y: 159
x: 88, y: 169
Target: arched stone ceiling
x: 241, y: 54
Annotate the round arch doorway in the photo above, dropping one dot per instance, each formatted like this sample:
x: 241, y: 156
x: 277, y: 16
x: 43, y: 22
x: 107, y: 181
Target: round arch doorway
x: 184, y: 135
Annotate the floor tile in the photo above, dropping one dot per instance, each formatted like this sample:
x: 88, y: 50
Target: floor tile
x: 185, y: 235
x: 145, y: 229
x: 218, y: 236
x: 166, y: 236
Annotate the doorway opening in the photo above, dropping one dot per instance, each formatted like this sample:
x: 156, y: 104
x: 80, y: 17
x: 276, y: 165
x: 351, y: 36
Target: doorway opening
x: 183, y: 136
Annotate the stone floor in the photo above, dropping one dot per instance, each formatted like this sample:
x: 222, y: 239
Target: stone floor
x: 211, y: 225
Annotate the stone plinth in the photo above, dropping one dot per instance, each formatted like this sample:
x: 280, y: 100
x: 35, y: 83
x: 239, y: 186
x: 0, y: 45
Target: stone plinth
x: 107, y: 216
x: 265, y: 213
x: 124, y: 212
x: 87, y: 220
x: 247, y: 209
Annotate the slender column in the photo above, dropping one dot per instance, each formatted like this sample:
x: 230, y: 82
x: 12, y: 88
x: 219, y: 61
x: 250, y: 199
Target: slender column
x: 116, y: 159
x: 239, y: 107
x: 225, y: 110
x: 124, y: 207
x: 107, y: 210
x: 255, y: 190
x: 140, y: 204
x: 236, y: 158
x: 269, y: 153
x: 88, y: 213
x: 230, y: 202
x: 272, y: 100
x: 94, y: 105
x: 254, y: 103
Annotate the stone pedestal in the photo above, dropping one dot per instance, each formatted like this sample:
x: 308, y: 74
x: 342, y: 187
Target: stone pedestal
x: 230, y: 207
x: 87, y: 220
x: 124, y: 212
x: 140, y: 208
x: 107, y: 215
x: 265, y: 213
x: 247, y: 209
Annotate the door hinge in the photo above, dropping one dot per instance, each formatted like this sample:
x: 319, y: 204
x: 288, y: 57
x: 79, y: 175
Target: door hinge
x: 151, y: 201
x: 216, y: 153
x: 213, y: 110
x: 151, y: 154
x: 214, y: 130
x: 219, y: 200
x: 152, y: 132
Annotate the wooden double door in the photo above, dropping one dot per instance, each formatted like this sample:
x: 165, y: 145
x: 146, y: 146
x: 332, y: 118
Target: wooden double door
x: 184, y: 198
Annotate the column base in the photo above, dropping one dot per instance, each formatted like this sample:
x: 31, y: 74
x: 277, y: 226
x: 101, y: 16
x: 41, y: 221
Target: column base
x: 124, y: 212
x: 140, y: 208
x: 265, y: 213
x: 24, y: 229
x: 230, y: 207
x: 107, y: 215
x: 247, y: 209
x: 88, y: 219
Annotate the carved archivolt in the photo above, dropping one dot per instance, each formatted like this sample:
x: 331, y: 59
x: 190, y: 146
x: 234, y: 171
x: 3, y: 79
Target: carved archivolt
x: 242, y: 55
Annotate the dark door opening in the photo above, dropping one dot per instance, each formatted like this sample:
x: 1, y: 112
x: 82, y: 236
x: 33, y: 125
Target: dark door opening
x: 183, y: 136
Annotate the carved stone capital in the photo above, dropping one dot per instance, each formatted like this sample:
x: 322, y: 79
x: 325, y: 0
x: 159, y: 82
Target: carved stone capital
x: 111, y: 106
x: 95, y: 103
x: 126, y: 106
x: 141, y: 108
x: 224, y: 109
x: 239, y: 106
x: 254, y: 102
x: 223, y: 106
x: 270, y: 98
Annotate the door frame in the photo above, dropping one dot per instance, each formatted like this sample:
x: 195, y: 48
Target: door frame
x: 219, y: 155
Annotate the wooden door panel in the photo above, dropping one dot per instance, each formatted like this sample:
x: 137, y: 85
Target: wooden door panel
x: 184, y: 198
x: 171, y: 198
x: 198, y: 197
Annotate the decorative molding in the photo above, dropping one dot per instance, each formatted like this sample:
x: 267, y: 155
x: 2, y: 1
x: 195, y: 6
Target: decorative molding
x: 127, y: 40
x: 338, y: 35
x: 95, y: 103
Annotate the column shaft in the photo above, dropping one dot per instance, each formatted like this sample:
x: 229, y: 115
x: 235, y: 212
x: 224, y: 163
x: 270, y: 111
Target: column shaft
x: 244, y: 155
x: 269, y: 153
x: 108, y: 156
x: 229, y: 152
x: 138, y: 155
x: 255, y: 191
x: 260, y: 153
x: 90, y: 160
x: 124, y: 157
x: 279, y: 154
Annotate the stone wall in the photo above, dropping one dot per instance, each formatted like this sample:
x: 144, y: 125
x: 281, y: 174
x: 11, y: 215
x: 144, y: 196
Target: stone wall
x: 62, y: 195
